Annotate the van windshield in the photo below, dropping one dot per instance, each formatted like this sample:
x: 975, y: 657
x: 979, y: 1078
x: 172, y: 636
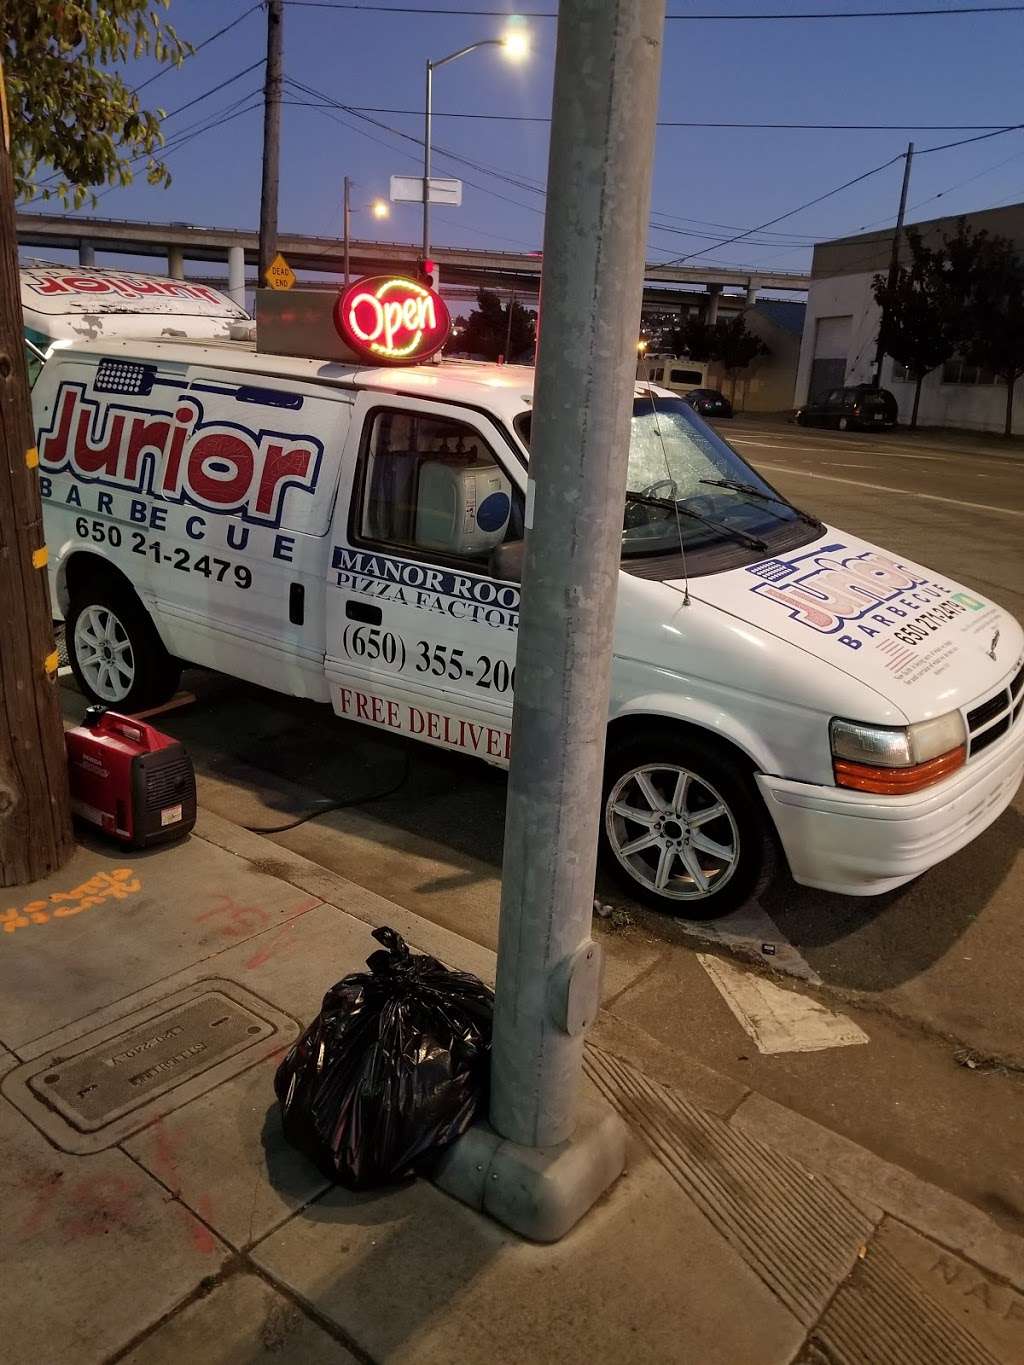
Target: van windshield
x: 677, y: 462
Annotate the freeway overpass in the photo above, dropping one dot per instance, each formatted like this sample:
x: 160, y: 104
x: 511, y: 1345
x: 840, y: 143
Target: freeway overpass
x: 178, y: 242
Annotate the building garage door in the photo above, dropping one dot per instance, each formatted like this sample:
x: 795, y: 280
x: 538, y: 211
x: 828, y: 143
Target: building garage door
x: 831, y: 349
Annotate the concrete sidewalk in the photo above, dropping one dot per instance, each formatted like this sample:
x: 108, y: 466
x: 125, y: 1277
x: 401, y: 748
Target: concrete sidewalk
x: 152, y: 1212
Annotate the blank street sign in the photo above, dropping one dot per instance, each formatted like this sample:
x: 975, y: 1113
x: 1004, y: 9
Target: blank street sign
x: 408, y: 189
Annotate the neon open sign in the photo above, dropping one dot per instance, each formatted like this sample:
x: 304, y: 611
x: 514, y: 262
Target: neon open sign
x: 392, y: 321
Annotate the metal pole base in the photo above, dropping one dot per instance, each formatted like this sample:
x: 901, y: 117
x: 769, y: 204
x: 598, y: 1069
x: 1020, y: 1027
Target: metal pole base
x: 538, y: 1192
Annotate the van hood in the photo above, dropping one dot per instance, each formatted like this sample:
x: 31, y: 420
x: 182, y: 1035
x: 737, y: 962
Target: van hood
x: 924, y: 642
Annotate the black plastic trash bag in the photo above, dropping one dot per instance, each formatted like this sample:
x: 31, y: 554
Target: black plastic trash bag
x: 393, y: 1069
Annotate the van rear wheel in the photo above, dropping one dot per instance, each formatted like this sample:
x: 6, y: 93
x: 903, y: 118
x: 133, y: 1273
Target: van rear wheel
x: 683, y: 828
x: 115, y: 653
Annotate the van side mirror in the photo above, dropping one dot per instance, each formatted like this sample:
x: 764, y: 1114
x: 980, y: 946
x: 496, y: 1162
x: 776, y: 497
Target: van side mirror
x: 506, y: 562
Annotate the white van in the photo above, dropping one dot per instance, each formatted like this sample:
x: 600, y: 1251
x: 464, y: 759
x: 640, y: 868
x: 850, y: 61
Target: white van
x: 672, y: 373
x: 64, y: 303
x: 352, y: 533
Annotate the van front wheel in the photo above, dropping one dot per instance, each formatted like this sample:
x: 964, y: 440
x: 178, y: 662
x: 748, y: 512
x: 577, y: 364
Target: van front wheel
x: 683, y: 829
x: 115, y: 653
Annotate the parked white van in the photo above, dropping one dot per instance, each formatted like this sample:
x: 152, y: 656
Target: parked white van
x: 64, y: 303
x: 352, y: 533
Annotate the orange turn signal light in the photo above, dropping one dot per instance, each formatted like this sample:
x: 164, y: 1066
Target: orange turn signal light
x: 866, y: 777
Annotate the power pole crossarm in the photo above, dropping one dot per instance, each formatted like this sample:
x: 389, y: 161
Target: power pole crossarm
x: 271, y: 136
x: 35, y: 816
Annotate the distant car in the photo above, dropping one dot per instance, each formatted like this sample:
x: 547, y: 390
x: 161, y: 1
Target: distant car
x: 709, y: 402
x: 858, y: 406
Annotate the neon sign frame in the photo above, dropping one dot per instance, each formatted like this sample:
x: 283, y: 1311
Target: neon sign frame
x: 392, y: 320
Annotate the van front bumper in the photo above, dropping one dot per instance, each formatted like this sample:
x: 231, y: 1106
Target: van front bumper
x: 858, y: 844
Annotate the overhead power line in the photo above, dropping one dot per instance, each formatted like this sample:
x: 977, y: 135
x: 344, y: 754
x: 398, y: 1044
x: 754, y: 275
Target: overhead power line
x: 207, y: 125
x: 930, y: 12
x: 693, y: 123
x: 199, y: 46
x: 164, y: 147
x: 791, y: 212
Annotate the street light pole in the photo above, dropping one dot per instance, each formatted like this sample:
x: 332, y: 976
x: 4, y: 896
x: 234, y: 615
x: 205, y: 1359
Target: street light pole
x: 550, y: 1156
x: 515, y: 44
x: 427, y: 118
x: 346, y: 214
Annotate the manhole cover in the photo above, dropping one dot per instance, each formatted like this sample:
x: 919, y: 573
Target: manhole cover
x: 91, y: 1089
x: 125, y: 1072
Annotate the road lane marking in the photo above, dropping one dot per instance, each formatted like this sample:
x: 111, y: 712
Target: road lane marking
x: 779, y: 1020
x: 874, y: 448
x: 755, y: 934
x: 887, y: 488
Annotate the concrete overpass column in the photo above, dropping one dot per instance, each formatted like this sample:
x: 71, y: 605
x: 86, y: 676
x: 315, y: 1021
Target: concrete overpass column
x: 175, y: 262
x: 711, y: 311
x: 752, y: 292
x: 86, y: 253
x: 236, y: 274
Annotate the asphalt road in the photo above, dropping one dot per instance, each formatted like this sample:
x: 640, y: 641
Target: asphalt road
x: 930, y: 972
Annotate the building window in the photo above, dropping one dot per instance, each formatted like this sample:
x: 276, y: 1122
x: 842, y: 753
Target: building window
x: 958, y: 371
x: 901, y: 375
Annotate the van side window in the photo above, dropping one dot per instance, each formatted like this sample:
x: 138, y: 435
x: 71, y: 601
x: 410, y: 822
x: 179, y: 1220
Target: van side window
x: 686, y: 377
x: 433, y: 485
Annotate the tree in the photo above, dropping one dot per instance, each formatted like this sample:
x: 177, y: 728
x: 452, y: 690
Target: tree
x: 734, y: 346
x: 35, y: 816
x: 922, y: 323
x: 486, y: 331
x: 69, y: 111
x: 695, y: 339
x: 65, y: 109
x: 996, y: 317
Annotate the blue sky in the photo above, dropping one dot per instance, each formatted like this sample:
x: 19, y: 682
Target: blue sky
x: 947, y: 70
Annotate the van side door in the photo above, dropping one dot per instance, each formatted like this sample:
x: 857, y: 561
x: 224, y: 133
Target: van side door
x: 421, y: 634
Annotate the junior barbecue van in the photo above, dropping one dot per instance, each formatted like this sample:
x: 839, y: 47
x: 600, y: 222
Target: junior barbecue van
x: 332, y: 516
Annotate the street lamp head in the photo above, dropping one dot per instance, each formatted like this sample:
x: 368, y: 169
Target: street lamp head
x: 379, y: 209
x: 515, y: 41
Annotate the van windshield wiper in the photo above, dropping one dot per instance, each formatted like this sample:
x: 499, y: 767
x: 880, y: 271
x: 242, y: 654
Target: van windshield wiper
x: 740, y: 487
x: 732, y: 532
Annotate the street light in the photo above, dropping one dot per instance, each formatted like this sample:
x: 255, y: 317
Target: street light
x: 378, y: 208
x: 515, y: 43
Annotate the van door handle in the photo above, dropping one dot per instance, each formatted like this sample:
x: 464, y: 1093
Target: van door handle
x: 363, y: 611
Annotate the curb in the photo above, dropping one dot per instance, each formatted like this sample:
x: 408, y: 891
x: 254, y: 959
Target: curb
x: 946, y: 1219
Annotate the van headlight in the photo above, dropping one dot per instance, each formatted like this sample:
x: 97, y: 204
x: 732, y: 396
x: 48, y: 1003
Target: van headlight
x: 894, y: 760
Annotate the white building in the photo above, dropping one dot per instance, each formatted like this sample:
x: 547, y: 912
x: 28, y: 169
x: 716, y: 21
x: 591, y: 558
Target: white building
x: 841, y: 329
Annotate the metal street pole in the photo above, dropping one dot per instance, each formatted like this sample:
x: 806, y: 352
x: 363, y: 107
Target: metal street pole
x: 894, y: 259
x: 427, y: 116
x: 346, y: 213
x: 599, y: 181
x: 547, y: 1156
x: 271, y: 138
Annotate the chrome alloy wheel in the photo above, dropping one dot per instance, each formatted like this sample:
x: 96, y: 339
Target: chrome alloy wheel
x: 672, y: 831
x: 104, y: 653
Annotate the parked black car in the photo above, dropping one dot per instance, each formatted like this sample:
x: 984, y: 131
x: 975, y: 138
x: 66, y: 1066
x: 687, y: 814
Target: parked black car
x: 709, y: 402
x: 858, y: 406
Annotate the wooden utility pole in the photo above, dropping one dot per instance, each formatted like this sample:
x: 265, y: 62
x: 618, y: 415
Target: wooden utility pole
x: 894, y: 266
x: 271, y: 136
x: 35, y: 815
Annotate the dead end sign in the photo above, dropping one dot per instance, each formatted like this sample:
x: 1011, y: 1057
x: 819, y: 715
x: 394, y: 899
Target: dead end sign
x: 279, y: 274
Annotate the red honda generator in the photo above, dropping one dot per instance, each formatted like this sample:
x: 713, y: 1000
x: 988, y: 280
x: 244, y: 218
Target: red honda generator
x: 129, y: 780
